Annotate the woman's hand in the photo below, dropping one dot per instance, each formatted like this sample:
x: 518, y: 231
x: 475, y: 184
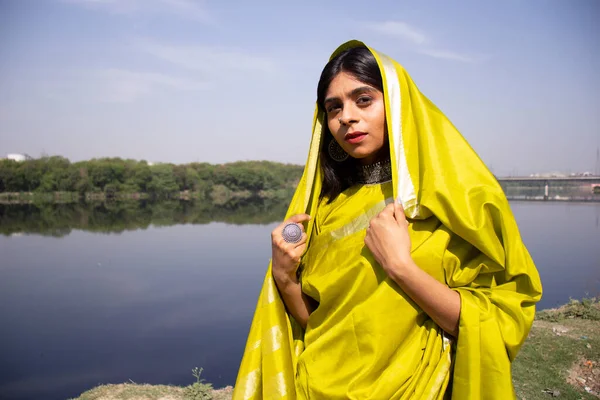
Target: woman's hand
x: 388, y: 239
x: 286, y: 256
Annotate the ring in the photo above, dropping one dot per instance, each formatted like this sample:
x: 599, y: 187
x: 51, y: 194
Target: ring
x: 291, y: 233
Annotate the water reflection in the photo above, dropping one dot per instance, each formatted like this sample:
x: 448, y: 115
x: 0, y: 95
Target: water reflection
x: 59, y: 219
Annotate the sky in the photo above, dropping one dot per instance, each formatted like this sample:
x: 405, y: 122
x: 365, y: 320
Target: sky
x: 219, y: 81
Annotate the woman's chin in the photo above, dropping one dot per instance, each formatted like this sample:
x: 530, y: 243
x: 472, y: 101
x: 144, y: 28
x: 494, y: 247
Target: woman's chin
x: 364, y: 155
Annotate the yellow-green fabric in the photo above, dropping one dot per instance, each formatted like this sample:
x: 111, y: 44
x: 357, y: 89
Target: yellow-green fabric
x: 382, y: 345
x: 366, y: 339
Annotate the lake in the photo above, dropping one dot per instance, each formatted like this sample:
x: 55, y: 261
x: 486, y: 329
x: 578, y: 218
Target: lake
x: 93, y: 294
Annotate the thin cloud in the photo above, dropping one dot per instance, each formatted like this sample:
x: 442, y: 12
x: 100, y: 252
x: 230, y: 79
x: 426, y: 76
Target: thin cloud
x: 124, y: 86
x: 447, y: 55
x: 399, y: 29
x: 209, y: 59
x: 187, y: 9
x: 422, y: 43
x: 114, y: 85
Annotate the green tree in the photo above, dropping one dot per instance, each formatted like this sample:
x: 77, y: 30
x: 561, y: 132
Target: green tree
x: 163, y: 181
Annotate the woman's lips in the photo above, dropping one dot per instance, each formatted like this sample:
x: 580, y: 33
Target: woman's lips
x: 355, y: 137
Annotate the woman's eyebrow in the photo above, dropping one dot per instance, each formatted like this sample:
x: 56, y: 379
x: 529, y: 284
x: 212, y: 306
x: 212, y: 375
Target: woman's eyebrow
x: 354, y: 92
x: 361, y: 89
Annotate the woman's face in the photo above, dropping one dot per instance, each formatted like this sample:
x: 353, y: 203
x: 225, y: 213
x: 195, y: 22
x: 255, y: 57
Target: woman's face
x: 356, y: 117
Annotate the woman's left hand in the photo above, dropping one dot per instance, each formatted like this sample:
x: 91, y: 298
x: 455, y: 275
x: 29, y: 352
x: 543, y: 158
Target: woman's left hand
x: 388, y: 239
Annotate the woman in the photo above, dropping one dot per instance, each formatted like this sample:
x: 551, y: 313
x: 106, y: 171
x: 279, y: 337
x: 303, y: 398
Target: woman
x: 410, y: 279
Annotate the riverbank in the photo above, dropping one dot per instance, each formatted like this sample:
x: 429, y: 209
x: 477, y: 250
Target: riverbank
x: 134, y: 391
x: 218, y: 195
x: 560, y: 359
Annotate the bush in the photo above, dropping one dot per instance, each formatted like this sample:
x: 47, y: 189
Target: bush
x: 198, y: 390
x: 587, y: 308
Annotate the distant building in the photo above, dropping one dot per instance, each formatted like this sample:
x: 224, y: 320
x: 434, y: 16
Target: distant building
x: 18, y: 157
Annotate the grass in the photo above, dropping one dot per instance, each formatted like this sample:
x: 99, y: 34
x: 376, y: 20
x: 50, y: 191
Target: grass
x: 134, y: 391
x: 127, y: 391
x: 562, y: 354
x: 560, y: 358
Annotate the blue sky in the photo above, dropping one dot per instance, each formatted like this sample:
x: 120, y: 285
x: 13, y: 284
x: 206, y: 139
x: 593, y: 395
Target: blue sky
x: 218, y: 81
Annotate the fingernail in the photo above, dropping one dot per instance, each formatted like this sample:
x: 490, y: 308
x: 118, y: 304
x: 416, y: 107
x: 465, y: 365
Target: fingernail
x: 399, y: 201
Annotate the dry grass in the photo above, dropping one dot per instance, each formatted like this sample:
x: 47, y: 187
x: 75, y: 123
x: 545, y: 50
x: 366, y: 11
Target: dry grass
x: 133, y: 391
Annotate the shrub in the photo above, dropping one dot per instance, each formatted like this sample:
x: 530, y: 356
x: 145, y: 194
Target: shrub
x: 199, y: 390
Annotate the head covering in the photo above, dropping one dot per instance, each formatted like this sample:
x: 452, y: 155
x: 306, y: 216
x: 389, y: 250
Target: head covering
x: 435, y: 173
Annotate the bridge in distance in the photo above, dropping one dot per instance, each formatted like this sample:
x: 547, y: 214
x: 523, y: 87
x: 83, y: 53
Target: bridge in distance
x: 568, y: 188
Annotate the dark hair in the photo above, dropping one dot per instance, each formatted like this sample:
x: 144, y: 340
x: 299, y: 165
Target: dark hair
x: 360, y: 63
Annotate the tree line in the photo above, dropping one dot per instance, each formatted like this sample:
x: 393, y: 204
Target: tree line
x: 112, y: 176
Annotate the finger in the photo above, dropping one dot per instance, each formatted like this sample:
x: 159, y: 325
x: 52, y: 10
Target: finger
x: 298, y: 218
x: 281, y: 244
x: 388, y: 211
x: 399, y: 214
x: 300, y: 250
x: 288, y: 247
x: 279, y: 230
x: 302, y: 240
x: 301, y: 227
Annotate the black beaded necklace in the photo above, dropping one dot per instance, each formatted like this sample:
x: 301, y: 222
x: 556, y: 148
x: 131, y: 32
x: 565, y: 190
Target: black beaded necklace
x: 379, y: 172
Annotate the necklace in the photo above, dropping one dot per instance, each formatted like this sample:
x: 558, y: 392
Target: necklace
x: 379, y: 172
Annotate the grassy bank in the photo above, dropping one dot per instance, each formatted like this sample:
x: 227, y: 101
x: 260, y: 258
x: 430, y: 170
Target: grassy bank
x: 560, y: 359
x: 134, y: 391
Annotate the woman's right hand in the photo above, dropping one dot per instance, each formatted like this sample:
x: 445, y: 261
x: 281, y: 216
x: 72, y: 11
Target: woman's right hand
x: 287, y: 256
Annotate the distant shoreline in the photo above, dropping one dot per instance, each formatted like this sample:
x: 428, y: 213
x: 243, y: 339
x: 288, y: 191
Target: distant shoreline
x: 219, y: 196
x: 55, y: 179
x: 74, y: 197
x: 554, y: 200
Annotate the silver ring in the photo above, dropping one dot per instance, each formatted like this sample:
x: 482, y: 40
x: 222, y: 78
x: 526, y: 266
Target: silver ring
x: 291, y: 233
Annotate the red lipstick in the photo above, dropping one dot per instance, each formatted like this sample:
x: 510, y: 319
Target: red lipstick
x: 355, y: 137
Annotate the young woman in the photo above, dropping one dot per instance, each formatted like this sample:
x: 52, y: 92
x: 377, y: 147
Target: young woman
x: 399, y: 272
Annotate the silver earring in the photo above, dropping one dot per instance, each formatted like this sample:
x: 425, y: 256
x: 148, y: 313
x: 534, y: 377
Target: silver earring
x: 336, y: 152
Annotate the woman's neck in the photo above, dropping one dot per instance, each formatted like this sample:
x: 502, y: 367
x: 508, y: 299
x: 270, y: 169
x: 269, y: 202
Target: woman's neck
x: 381, y: 155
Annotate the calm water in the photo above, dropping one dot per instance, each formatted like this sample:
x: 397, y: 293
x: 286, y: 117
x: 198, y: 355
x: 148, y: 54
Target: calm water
x: 81, y: 306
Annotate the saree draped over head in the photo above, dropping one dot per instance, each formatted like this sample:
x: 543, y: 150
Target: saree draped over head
x: 367, y: 339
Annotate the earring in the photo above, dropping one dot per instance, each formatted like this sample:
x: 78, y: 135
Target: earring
x: 336, y: 152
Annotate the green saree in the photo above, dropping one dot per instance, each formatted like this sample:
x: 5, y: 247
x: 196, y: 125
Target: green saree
x: 367, y: 339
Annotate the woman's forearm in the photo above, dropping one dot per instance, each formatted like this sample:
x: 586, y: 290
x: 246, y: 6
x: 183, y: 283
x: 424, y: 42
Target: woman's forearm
x: 440, y: 302
x: 297, y: 303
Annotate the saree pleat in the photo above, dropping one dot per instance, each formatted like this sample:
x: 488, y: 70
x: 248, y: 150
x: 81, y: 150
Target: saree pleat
x: 367, y: 339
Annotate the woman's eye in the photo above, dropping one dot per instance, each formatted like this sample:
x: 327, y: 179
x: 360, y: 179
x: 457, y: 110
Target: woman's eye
x: 363, y: 100
x: 332, y: 108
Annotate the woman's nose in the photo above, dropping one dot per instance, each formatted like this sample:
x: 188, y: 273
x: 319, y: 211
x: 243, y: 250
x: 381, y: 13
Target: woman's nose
x: 347, y: 117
